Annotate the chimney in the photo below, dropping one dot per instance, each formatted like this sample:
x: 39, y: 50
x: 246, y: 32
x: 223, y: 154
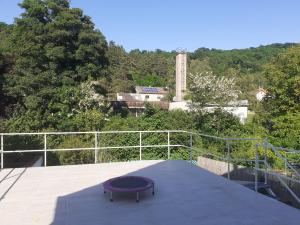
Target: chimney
x: 180, y: 75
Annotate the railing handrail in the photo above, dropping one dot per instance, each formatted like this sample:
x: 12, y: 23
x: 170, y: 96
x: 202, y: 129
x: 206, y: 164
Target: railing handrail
x: 128, y: 131
x: 288, y: 150
x: 90, y: 132
x: 92, y: 148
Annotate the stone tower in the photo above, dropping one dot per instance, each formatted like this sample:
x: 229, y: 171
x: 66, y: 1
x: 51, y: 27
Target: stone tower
x: 180, y: 75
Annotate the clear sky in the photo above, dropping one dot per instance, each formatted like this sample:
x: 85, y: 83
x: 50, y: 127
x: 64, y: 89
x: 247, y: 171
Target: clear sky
x: 190, y: 24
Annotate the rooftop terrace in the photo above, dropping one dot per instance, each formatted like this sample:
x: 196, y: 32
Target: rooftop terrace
x: 185, y: 194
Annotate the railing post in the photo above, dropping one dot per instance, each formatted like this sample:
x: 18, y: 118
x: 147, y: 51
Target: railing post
x: 45, y: 150
x: 265, y: 162
x: 2, y: 149
x: 96, y: 147
x: 228, y: 159
x: 285, y: 166
x: 168, y: 144
x: 140, y: 145
x: 191, y: 146
x: 256, y: 166
x: 285, y: 162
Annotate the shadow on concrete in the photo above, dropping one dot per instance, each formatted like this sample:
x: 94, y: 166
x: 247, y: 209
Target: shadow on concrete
x: 185, y: 194
x: 9, y: 181
x: 93, y: 206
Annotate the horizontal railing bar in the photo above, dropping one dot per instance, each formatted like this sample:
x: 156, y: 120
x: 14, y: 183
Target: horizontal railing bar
x: 142, y: 131
x: 220, y: 157
x: 48, y: 133
x: 289, y: 150
x: 92, y: 132
x: 233, y: 159
x: 204, y: 135
x: 98, y: 148
x: 223, y: 138
x: 243, y: 139
x: 21, y: 151
x: 126, y: 131
x: 112, y: 147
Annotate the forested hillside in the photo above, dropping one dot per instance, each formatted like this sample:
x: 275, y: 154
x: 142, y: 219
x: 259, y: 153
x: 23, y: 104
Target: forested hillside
x: 157, y: 68
x: 56, y: 71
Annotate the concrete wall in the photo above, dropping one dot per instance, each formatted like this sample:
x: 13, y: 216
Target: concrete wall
x: 221, y: 168
x: 179, y: 105
x: 240, y: 111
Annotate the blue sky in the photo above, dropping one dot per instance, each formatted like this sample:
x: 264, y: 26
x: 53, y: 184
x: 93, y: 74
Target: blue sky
x: 190, y: 24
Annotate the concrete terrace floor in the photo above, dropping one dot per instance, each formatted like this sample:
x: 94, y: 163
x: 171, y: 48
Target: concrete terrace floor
x: 185, y: 194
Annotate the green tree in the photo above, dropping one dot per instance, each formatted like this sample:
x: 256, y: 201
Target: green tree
x: 286, y: 131
x: 6, y: 64
x: 197, y: 66
x: 159, y: 65
x: 120, y: 69
x: 283, y: 76
x: 55, y: 48
x: 75, y: 157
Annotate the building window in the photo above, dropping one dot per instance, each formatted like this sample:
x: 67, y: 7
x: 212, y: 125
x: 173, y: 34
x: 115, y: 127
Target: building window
x: 147, y: 96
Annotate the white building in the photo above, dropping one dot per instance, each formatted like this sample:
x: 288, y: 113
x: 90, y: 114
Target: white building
x: 135, y: 102
x: 238, y: 109
x: 144, y: 94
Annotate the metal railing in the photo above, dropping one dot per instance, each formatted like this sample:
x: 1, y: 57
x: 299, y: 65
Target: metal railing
x: 259, y: 162
x: 96, y: 146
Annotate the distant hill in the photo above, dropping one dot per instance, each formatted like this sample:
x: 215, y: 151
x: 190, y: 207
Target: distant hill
x: 245, y: 60
x: 157, y: 68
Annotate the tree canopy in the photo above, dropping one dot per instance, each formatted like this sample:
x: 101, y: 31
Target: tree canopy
x: 281, y: 106
x: 283, y: 76
x: 55, y: 48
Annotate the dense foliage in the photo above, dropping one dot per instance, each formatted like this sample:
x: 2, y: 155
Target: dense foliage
x: 281, y: 108
x: 283, y: 76
x: 55, y: 49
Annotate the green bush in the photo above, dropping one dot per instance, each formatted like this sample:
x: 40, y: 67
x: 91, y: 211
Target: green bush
x: 75, y: 157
